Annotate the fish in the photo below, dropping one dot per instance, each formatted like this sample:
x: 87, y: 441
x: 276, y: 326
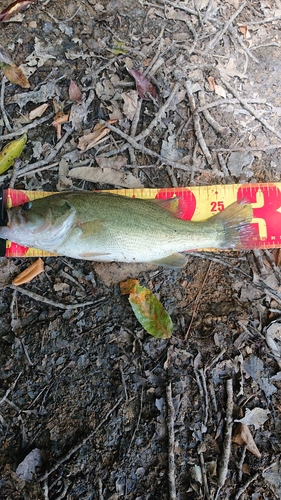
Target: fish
x: 106, y: 227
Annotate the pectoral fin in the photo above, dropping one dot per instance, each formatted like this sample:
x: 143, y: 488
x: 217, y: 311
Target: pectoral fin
x: 91, y: 228
x: 176, y: 260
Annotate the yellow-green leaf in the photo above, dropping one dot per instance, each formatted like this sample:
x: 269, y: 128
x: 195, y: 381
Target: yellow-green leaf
x: 10, y: 152
x: 148, y: 310
x: 118, y: 48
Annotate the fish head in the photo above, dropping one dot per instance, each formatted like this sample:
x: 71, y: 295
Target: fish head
x: 43, y: 221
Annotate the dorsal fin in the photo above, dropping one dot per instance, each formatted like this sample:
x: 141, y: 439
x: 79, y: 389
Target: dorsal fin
x: 172, y: 205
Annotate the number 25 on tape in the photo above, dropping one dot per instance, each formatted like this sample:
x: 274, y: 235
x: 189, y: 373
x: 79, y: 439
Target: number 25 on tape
x: 217, y: 206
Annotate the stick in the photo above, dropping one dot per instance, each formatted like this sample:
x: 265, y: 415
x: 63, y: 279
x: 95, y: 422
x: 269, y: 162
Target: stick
x: 2, y: 106
x: 275, y: 268
x: 250, y: 109
x: 145, y: 150
x: 216, y: 126
x: 223, y: 166
x: 261, y: 148
x: 227, y: 438
x: 223, y: 102
x: 196, y: 302
x: 159, y: 114
x: 78, y: 446
x: 219, y: 35
x: 242, y: 44
x: 52, y: 155
x: 182, y: 7
x: 247, y: 484
x: 21, y: 130
x: 171, y: 444
x: 60, y: 305
x: 196, y: 122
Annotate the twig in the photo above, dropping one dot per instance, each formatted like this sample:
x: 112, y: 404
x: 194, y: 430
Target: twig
x: 182, y: 7
x: 268, y: 291
x: 202, y: 372
x: 171, y: 443
x: 266, y: 20
x: 195, y: 37
x: 223, y: 166
x: 222, y: 473
x: 208, y: 10
x: 250, y: 109
x: 194, y: 161
x: 159, y: 114
x: 123, y: 381
x: 240, y: 463
x: 101, y: 497
x: 50, y: 157
x: 17, y: 164
x: 275, y: 268
x: 40, y: 169
x: 2, y: 106
x: 172, y: 176
x: 4, y: 399
x: 136, y: 119
x: 134, y: 130
x: 271, y: 44
x: 21, y: 130
x: 196, y: 122
x: 60, y: 305
x: 220, y: 261
x: 197, y: 299
x: 145, y: 150
x: 247, y: 483
x: 258, y: 148
x: 200, y: 452
x: 216, y: 126
x: 214, y: 360
x: 84, y: 441
x: 159, y: 41
x: 219, y: 35
x: 259, y: 259
x: 26, y: 352
x: 223, y: 102
x: 242, y: 44
x: 137, y: 424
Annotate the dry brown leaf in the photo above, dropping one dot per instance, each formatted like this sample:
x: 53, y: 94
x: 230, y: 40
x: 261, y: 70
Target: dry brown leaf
x: 38, y: 111
x: 13, y: 8
x: 59, y: 119
x: 130, y: 103
x: 218, y: 89
x: 212, y: 84
x: 15, y: 75
x: 108, y: 176
x: 116, y: 162
x: 242, y: 436
x: 74, y: 92
x: 89, y: 140
x: 243, y: 30
x: 28, y: 274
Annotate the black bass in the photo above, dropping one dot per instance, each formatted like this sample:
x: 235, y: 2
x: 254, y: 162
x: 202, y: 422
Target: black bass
x: 107, y: 227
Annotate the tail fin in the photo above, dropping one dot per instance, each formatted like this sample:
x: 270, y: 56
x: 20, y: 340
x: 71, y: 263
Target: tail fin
x: 237, y: 232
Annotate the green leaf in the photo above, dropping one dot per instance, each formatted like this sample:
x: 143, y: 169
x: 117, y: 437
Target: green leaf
x: 10, y: 152
x: 150, y: 313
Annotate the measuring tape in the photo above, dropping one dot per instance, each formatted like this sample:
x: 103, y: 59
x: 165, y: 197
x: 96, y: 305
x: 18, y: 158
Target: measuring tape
x: 197, y: 203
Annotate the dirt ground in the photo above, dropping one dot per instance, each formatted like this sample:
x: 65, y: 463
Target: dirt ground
x: 91, y: 406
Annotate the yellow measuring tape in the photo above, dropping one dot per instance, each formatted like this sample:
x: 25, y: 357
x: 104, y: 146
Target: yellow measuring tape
x: 197, y: 203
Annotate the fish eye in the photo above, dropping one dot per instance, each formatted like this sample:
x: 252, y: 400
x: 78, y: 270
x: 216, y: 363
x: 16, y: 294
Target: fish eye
x: 27, y: 205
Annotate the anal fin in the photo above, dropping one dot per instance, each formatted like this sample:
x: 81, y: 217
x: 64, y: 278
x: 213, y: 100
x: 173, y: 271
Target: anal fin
x: 176, y: 260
